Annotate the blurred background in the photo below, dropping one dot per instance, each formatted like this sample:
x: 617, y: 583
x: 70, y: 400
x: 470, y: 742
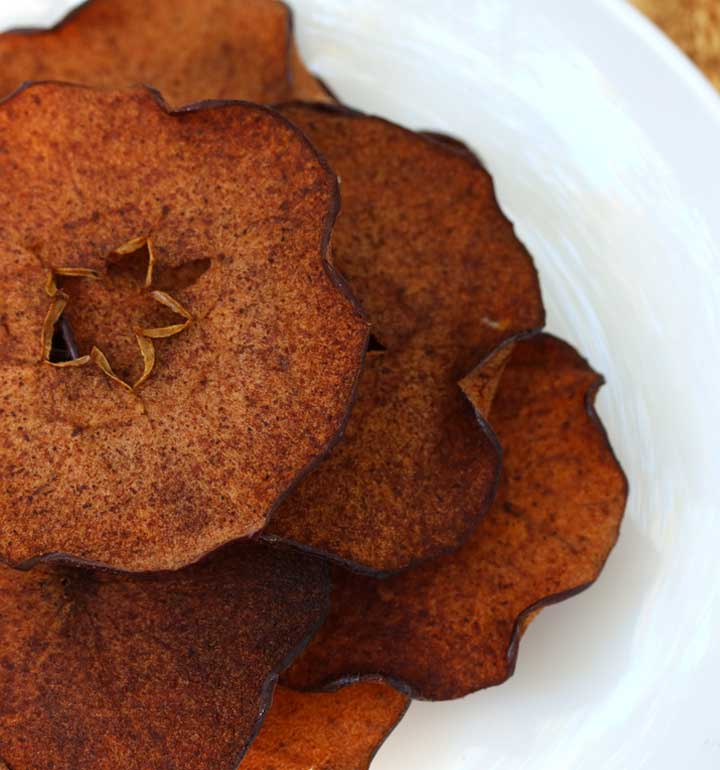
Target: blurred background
x: 694, y: 25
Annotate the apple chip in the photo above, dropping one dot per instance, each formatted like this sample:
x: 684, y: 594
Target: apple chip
x: 340, y: 730
x: 481, y: 384
x: 171, y: 671
x: 189, y: 50
x: 444, y: 280
x: 177, y: 351
x: 304, y: 85
x: 452, y: 626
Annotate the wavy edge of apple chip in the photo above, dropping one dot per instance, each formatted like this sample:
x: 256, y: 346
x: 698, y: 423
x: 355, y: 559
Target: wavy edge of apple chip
x: 363, y: 570
x: 267, y: 692
x: 299, y: 74
x: 485, y: 426
x: 271, y: 682
x: 336, y: 279
x: 456, y: 147
x: 529, y: 613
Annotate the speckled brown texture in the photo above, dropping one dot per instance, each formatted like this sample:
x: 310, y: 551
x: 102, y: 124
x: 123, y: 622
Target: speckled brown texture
x: 451, y: 626
x: 443, y: 279
x: 242, y: 402
x: 341, y: 730
x: 100, y: 671
x: 189, y: 50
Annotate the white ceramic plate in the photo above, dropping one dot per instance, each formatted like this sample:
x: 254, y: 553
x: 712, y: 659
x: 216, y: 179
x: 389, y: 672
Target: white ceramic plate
x: 603, y: 141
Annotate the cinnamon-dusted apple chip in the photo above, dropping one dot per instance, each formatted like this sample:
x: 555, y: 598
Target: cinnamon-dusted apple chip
x: 210, y: 351
x: 189, y: 50
x: 452, y: 626
x: 438, y: 268
x: 171, y: 671
x: 340, y: 730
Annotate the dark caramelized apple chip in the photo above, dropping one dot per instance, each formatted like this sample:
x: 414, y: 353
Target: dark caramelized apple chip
x: 171, y: 671
x: 188, y: 50
x: 214, y: 350
x: 452, y: 626
x: 340, y: 730
x: 444, y: 280
x: 421, y: 238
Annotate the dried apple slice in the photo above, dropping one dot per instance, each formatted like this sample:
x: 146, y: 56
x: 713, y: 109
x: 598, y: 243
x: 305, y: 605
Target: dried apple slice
x: 452, y: 626
x: 444, y: 280
x: 412, y: 475
x: 305, y: 86
x: 189, y: 50
x: 340, y: 730
x: 240, y: 402
x: 421, y: 237
x: 101, y: 671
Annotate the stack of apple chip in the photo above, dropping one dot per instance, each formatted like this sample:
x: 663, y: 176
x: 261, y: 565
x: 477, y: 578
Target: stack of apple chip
x: 271, y: 466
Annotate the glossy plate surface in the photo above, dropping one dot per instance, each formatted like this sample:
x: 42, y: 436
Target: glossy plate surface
x: 603, y: 141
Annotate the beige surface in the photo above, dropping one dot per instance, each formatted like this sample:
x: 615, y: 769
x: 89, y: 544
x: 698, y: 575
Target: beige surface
x: 694, y: 25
